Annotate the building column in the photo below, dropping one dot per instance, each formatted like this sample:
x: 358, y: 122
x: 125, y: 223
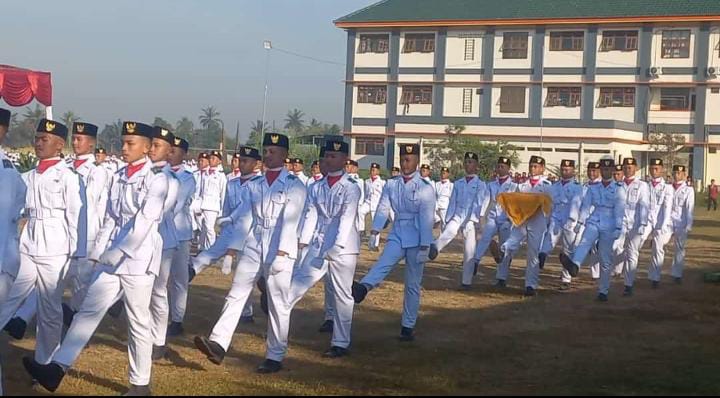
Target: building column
x: 642, y: 91
x: 590, y: 63
x: 349, y: 75
x: 537, y: 62
x: 488, y: 58
x: 439, y: 79
x: 702, y: 48
x: 392, y: 96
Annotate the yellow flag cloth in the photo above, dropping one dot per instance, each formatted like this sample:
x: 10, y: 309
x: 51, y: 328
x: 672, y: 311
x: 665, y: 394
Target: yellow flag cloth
x: 520, y: 207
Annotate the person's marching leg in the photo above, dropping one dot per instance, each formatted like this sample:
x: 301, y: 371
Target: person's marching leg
x: 569, y: 240
x: 341, y: 271
x: 636, y: 241
x: 6, y: 282
x: 392, y: 253
x: 605, y: 252
x: 138, y: 292
x: 489, y: 231
x: 469, y: 264
x: 178, y: 287
x: 51, y: 273
x: 159, y: 305
x: 278, y: 291
x: 679, y: 259
x: 658, y: 256
x: 29, y: 307
x: 23, y: 286
x: 536, y: 232
x: 413, y: 288
x: 448, y: 234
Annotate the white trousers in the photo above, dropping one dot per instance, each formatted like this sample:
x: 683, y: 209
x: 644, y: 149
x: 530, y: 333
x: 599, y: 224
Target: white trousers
x: 28, y: 309
x: 593, y: 237
x: 249, y: 269
x: 178, y: 285
x: 469, y: 244
x: 635, y: 242
x: 440, y: 215
x: 6, y: 282
x: 659, y: 241
x: 159, y: 305
x: 104, y: 290
x: 80, y: 274
x: 535, y: 231
x: 46, y: 274
x: 391, y: 255
x: 681, y: 236
x: 207, y: 229
x: 339, y: 270
x: 557, y: 234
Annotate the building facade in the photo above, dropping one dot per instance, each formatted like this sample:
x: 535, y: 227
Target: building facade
x: 577, y: 80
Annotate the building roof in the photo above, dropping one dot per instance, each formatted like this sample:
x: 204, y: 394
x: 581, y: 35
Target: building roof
x: 458, y: 12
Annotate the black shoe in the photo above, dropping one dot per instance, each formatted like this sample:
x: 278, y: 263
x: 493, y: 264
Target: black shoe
x: 327, y: 327
x: 211, y: 349
x: 530, y: 292
x: 359, y: 291
x: 49, y: 376
x: 432, y: 255
x: 464, y: 288
x: 541, y: 258
x: 175, y: 329
x: 501, y: 283
x: 602, y: 297
x: 567, y: 263
x: 138, y: 391
x: 191, y: 274
x: 407, y: 334
x: 495, y: 251
x: 116, y: 309
x: 68, y: 315
x: 159, y: 353
x: 336, y: 352
x: 247, y: 319
x: 655, y: 284
x: 564, y: 287
x: 16, y: 328
x: 269, y: 366
x: 628, y: 291
x: 678, y: 281
x: 475, y: 269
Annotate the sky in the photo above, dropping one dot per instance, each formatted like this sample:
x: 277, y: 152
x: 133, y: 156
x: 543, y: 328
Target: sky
x: 135, y: 60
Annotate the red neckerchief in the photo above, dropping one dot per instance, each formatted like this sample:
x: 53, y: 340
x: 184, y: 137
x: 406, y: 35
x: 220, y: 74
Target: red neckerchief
x: 373, y: 178
x: 534, y: 182
x: 318, y: 177
x: 46, y: 164
x: 677, y: 186
x: 79, y: 162
x: 333, y: 179
x: 502, y: 180
x: 133, y: 169
x: 407, y: 178
x: 468, y: 179
x: 211, y: 171
x: 629, y: 181
x: 271, y: 176
x: 606, y: 183
x: 236, y: 172
x: 176, y: 168
x: 655, y: 183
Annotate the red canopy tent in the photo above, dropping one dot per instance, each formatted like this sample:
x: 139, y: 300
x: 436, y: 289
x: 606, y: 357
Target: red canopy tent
x: 18, y: 86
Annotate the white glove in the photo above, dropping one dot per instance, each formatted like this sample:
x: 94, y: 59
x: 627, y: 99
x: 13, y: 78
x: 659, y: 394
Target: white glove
x: 112, y: 257
x: 227, y: 265
x: 371, y: 242
x: 423, y: 256
x: 281, y: 264
x: 224, y: 220
x: 578, y: 228
x: 616, y: 235
x: 569, y: 226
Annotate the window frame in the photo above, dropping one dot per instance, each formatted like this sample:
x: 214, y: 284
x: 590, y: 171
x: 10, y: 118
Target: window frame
x: 469, y: 54
x: 513, y: 47
x: 419, y: 43
x: 365, y: 45
x: 687, y: 98
x: 670, y: 45
x: 467, y: 105
x: 506, y: 96
x: 617, y: 97
x: 574, y: 37
x: 555, y: 94
x: 614, y: 36
x: 415, y: 94
x: 370, y: 146
x: 380, y: 95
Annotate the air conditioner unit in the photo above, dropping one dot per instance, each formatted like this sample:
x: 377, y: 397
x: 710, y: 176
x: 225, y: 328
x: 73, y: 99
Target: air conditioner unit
x: 711, y: 72
x: 654, y: 72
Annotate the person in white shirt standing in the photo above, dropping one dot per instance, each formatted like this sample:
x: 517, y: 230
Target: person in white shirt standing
x: 212, y: 197
x: 443, y: 190
x: 682, y: 219
x: 299, y: 170
x: 660, y: 219
x: 373, y: 188
x: 636, y: 226
x: 55, y: 233
x: 203, y: 165
x: 234, y: 168
x: 12, y: 201
x: 425, y: 173
x: 462, y: 216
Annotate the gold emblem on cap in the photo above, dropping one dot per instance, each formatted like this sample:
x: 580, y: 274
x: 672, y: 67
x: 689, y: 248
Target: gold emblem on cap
x: 80, y: 128
x: 248, y: 151
x: 130, y: 128
x: 274, y: 138
x: 49, y: 126
x: 177, y: 141
x: 164, y: 132
x: 658, y: 161
x: 408, y: 148
x: 337, y: 146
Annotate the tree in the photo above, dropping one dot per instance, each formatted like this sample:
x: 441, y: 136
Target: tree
x: 209, y: 117
x: 334, y: 130
x: 33, y: 116
x: 160, y: 122
x: 315, y: 124
x: 21, y: 132
x: 185, y: 128
x: 68, y: 118
x: 256, y: 132
x: 110, y: 137
x: 294, y: 120
x: 450, y: 152
x: 667, y: 145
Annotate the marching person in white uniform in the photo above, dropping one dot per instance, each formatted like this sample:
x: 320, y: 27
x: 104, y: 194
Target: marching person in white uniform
x: 128, y: 251
x: 594, y: 177
x: 317, y: 175
x: 660, y: 219
x: 412, y: 199
x: 212, y: 197
x: 443, y: 190
x: 351, y: 168
x: 373, y: 188
x: 601, y: 220
x: 54, y: 234
x: 334, y: 245
x: 12, y: 201
x: 682, y: 219
x: 179, y: 273
x: 234, y: 168
x: 425, y: 173
x: 496, y: 221
x: 636, y: 222
x: 203, y: 165
x: 462, y: 216
x: 274, y: 203
x: 535, y: 230
x: 299, y: 170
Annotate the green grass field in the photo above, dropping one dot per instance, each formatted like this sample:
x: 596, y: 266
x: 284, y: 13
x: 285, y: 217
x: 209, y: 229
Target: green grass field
x: 484, y: 341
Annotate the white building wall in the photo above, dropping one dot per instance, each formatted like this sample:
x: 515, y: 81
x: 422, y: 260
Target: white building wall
x: 453, y: 102
x: 416, y: 59
x: 562, y: 59
x: 712, y: 107
x: 625, y: 114
x: 370, y: 60
x: 559, y: 112
x: 615, y: 59
x: 455, y: 49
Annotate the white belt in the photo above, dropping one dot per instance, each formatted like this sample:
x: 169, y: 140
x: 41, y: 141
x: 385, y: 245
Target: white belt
x: 46, y: 214
x: 267, y: 223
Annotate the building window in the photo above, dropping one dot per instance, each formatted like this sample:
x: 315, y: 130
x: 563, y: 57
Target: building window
x: 567, y: 150
x: 597, y: 151
x: 677, y: 99
x: 512, y: 99
x: 567, y: 41
x: 416, y: 95
x: 469, y: 50
x: 611, y: 97
x: 419, y: 43
x: 515, y: 45
x: 370, y: 146
x: 467, y: 100
x: 373, y: 44
x: 619, y: 40
x: 676, y: 44
x: 372, y: 95
x: 564, y: 96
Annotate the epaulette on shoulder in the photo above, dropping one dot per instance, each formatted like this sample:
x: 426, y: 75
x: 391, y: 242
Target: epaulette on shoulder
x: 292, y: 177
x: 353, y: 180
x: 619, y: 184
x: 426, y: 181
x: 546, y: 182
x: 157, y: 170
x: 256, y: 178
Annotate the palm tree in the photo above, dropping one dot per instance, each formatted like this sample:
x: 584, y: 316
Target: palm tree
x: 314, y: 124
x: 294, y: 120
x: 68, y: 118
x: 209, y: 117
x: 111, y: 137
x: 33, y: 116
